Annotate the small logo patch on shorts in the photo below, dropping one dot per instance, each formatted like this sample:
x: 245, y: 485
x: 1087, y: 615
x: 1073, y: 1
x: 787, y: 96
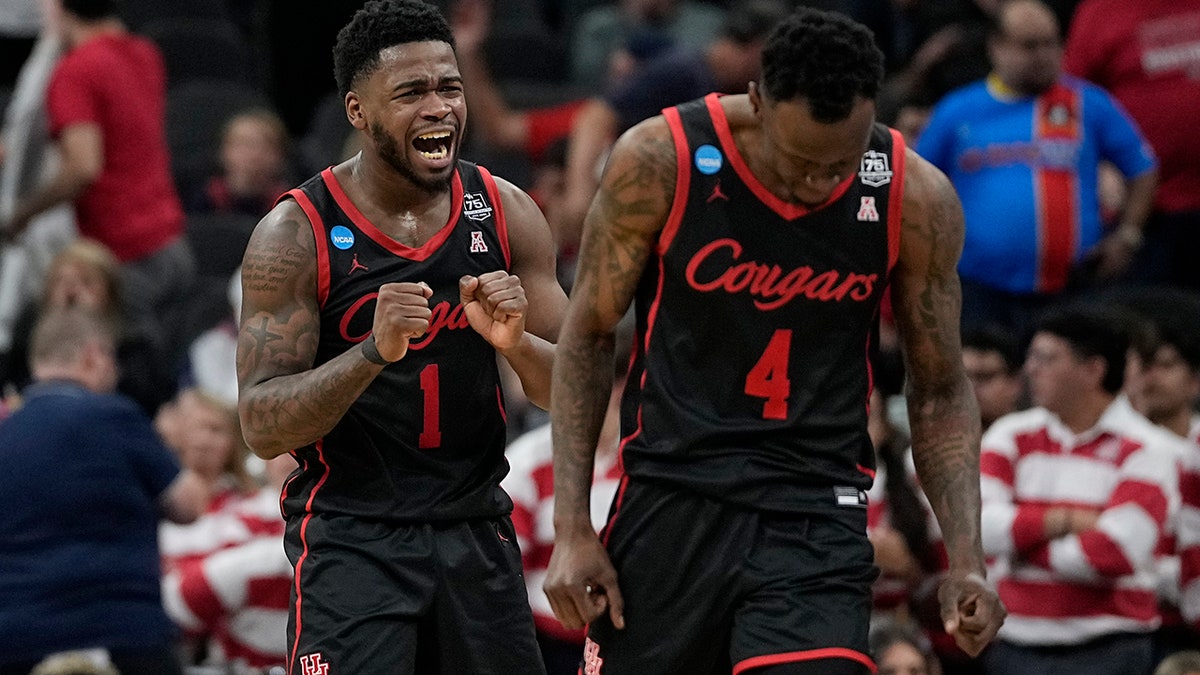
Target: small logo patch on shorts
x: 591, y: 658
x: 313, y: 664
x: 850, y: 496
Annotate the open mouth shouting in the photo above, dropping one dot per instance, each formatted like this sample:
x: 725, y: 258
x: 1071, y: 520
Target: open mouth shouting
x: 434, y: 146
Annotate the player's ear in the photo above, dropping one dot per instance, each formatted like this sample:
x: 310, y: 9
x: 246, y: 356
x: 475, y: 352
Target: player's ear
x: 755, y: 96
x: 354, y: 111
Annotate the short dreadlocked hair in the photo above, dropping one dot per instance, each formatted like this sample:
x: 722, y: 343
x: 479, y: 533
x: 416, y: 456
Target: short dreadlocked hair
x: 825, y: 58
x: 381, y: 24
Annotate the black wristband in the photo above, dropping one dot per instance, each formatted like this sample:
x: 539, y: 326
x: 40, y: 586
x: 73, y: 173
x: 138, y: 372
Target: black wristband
x: 371, y: 353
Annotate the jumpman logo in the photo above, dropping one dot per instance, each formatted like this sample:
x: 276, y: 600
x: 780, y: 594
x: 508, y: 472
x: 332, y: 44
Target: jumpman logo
x: 355, y: 265
x: 716, y: 194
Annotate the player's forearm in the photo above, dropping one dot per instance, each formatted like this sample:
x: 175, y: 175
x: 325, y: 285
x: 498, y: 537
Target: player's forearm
x: 292, y: 411
x: 532, y: 361
x: 582, y: 382
x: 945, y: 433
x: 64, y: 187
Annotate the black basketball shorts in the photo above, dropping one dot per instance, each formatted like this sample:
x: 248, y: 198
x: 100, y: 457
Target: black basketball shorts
x: 399, y: 599
x: 714, y: 588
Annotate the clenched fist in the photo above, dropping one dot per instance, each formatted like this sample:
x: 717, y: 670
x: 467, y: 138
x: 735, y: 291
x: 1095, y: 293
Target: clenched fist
x: 401, y: 314
x: 495, y: 306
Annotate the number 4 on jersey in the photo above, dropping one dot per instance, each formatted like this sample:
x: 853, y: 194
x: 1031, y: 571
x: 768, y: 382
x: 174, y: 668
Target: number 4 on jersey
x: 769, y: 377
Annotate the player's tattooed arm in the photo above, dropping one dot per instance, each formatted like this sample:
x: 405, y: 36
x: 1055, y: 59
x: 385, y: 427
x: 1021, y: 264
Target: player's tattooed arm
x: 942, y: 408
x: 621, y: 228
x: 283, y: 402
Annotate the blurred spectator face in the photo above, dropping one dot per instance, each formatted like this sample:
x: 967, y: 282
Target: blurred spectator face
x: 910, y: 122
x: 1027, y: 51
x: 1057, y: 375
x: 207, y: 441
x: 1161, y: 387
x: 252, y: 151
x: 997, y: 391
x: 74, y: 283
x: 902, y: 658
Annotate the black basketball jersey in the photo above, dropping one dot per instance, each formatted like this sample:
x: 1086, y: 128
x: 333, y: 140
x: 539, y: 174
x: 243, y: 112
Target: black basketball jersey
x: 425, y: 441
x: 750, y: 376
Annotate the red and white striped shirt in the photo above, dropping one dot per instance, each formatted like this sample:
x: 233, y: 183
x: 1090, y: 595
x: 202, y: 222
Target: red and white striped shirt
x: 1188, y: 537
x: 530, y: 484
x: 239, y: 595
x: 1102, y: 581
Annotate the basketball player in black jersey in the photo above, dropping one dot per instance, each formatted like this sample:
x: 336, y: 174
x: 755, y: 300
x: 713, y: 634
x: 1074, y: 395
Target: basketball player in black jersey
x: 755, y: 235
x: 377, y: 296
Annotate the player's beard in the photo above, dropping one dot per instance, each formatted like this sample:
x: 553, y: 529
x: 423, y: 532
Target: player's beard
x: 392, y: 154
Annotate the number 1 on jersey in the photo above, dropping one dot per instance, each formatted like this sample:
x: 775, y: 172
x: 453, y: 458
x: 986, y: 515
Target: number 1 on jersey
x: 769, y: 377
x: 431, y: 425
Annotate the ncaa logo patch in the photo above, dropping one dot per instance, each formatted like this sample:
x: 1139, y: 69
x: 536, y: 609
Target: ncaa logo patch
x: 341, y: 237
x: 708, y: 159
x: 475, y: 207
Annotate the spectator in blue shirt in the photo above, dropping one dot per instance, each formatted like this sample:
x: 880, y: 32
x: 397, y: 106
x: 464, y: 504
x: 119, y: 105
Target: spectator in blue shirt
x: 85, y: 482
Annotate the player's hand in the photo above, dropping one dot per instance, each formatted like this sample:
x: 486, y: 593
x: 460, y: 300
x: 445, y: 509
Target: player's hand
x: 581, y: 582
x: 495, y: 306
x: 401, y: 314
x: 971, y: 611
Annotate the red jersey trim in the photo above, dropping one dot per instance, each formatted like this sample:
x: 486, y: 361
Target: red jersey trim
x: 421, y: 253
x: 304, y: 554
x: 806, y: 655
x: 319, y: 234
x: 683, y: 179
x: 785, y: 210
x: 501, y: 222
x: 896, y: 199
x: 616, y: 511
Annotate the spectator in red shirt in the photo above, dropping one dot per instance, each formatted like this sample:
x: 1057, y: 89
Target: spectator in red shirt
x: 1144, y: 53
x: 105, y: 105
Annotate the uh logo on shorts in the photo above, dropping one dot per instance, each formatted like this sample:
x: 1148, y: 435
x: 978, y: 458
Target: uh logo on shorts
x: 591, y: 658
x: 313, y: 664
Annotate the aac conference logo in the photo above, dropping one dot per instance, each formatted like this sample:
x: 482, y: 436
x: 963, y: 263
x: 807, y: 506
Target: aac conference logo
x: 341, y: 237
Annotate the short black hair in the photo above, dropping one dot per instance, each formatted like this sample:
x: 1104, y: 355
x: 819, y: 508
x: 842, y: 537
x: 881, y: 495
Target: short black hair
x: 1095, y: 330
x: 1173, y: 315
x: 993, y: 338
x: 825, y: 58
x: 381, y: 24
x: 91, y: 9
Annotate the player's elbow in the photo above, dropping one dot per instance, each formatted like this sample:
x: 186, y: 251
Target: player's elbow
x: 263, y: 446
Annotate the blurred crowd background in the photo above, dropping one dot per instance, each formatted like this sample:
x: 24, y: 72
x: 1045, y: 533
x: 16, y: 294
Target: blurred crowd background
x: 1065, y: 127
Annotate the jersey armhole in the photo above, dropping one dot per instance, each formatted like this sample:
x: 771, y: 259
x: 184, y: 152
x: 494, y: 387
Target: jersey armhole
x: 683, y: 177
x: 318, y: 228
x: 501, y: 223
x: 895, y: 199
